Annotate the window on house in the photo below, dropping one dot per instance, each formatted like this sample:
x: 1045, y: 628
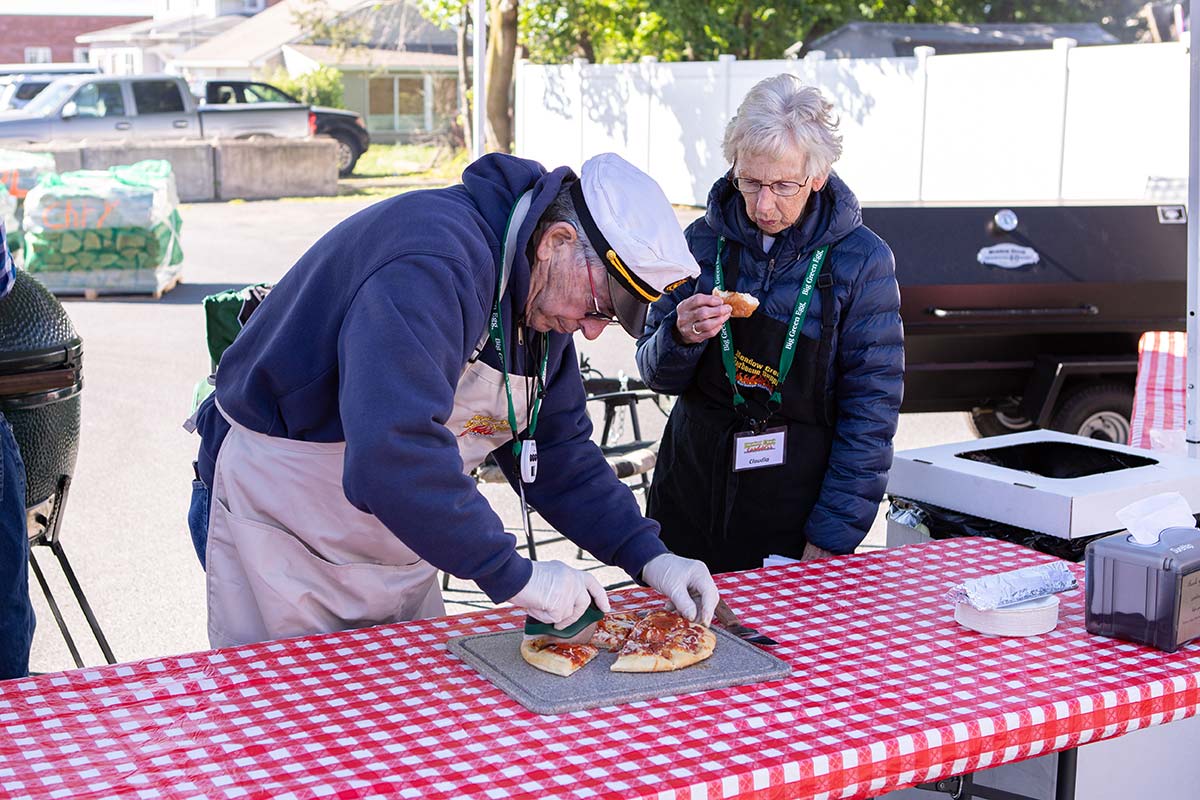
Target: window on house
x: 80, y: 55
x: 395, y: 104
x: 128, y: 64
x: 38, y: 55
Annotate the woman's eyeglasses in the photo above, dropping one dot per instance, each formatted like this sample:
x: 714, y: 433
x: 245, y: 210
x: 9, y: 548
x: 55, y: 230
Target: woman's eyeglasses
x: 781, y: 188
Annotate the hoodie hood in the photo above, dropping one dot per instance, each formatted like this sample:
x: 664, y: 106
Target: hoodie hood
x: 830, y: 215
x: 495, y: 182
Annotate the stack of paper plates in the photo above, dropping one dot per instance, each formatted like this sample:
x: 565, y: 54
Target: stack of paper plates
x: 1024, y: 619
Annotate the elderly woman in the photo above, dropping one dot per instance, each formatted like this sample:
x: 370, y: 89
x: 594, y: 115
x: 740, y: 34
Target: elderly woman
x: 780, y: 443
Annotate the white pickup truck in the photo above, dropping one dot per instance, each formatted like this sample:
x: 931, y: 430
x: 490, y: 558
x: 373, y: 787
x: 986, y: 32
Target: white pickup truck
x: 99, y: 107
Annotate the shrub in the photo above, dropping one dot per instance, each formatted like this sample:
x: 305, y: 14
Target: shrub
x: 321, y: 87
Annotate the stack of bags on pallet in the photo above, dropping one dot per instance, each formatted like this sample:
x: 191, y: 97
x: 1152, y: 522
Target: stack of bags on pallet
x: 106, y: 231
x: 20, y: 171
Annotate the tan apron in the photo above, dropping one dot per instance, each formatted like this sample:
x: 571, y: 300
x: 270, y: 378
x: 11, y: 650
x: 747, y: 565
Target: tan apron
x: 288, y: 555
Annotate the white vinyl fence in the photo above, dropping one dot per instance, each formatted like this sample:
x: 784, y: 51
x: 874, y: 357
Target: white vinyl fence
x: 1070, y: 123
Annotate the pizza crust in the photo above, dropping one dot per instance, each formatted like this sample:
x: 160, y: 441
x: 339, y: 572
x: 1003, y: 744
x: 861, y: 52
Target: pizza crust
x: 557, y: 659
x: 664, y: 642
x: 743, y: 304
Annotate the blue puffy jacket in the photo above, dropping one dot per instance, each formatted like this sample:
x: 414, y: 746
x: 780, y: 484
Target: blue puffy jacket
x: 866, y: 368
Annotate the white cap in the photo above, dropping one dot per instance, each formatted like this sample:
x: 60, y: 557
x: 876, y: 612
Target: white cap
x: 631, y: 225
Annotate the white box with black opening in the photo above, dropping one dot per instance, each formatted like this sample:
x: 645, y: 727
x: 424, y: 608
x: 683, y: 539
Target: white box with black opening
x: 1045, y: 481
x: 1069, y: 487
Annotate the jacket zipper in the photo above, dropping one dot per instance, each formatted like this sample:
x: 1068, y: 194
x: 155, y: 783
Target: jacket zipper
x: 767, y: 278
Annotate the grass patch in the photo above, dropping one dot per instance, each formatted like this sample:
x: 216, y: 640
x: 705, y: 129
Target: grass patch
x: 416, y: 161
x: 346, y: 190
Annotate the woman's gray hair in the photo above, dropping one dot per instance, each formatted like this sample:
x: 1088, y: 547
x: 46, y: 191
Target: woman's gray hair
x: 781, y: 115
x: 562, y: 209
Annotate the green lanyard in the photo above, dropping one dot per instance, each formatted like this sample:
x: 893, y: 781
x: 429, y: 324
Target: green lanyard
x: 789, y: 344
x: 496, y: 327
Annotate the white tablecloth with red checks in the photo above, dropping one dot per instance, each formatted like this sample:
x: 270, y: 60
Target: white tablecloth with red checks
x: 887, y: 691
x: 1160, y: 396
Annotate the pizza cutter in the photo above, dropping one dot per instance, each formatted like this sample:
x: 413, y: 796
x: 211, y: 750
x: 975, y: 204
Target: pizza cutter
x: 578, y: 632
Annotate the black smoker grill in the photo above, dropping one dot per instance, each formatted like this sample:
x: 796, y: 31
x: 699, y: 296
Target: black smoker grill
x: 1030, y: 314
x: 40, y: 384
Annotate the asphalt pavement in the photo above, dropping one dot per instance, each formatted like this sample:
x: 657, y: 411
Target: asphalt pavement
x: 125, y: 524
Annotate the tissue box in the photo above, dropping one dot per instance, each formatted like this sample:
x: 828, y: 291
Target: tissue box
x: 1145, y: 593
x: 1046, y: 481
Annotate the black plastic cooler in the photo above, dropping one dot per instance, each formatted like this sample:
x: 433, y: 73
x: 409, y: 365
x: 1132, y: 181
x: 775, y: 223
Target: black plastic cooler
x: 41, y: 380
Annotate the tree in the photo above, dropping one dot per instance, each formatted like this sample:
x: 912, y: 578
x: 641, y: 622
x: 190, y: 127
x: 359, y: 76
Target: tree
x: 556, y: 31
x: 499, y: 65
x: 501, y: 61
x: 320, y: 24
x: 684, y: 30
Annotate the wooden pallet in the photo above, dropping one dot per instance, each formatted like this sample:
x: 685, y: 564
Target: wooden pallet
x: 95, y: 294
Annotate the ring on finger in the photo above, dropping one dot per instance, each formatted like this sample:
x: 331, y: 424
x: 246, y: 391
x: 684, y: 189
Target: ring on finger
x: 698, y: 333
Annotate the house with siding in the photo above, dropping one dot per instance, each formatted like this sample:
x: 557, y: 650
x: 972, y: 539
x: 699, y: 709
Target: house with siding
x: 399, y: 72
x: 44, y: 31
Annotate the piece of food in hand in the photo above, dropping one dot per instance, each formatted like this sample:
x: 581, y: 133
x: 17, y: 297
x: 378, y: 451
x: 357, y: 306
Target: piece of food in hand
x: 555, y: 657
x: 743, y: 304
x: 613, y: 630
x: 664, y: 641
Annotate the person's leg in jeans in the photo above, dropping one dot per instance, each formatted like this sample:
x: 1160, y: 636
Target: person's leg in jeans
x: 16, y: 612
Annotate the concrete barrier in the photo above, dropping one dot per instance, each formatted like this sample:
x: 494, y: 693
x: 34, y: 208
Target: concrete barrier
x: 192, y: 162
x: 275, y: 168
x: 67, y: 158
x: 217, y: 169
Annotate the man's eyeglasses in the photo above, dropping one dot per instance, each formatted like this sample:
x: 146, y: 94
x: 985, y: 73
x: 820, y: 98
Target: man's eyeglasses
x: 781, y: 188
x: 597, y: 315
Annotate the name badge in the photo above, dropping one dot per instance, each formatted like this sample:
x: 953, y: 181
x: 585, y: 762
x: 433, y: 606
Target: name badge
x: 758, y: 450
x: 529, y: 461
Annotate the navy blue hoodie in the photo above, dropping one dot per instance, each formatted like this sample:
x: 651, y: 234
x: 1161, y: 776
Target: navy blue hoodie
x: 364, y: 340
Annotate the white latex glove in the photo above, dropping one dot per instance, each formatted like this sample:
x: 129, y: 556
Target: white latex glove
x: 683, y: 581
x: 559, y: 594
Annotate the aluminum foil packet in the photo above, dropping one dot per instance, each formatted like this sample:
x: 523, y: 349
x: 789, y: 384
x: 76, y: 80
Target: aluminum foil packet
x: 1010, y: 588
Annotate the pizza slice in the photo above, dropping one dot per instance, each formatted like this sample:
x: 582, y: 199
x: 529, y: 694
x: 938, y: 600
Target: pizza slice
x: 664, y: 641
x: 743, y: 304
x: 613, y: 630
x: 557, y: 658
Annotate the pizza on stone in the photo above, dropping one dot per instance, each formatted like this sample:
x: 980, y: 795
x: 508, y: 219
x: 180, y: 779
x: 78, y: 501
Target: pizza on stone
x: 557, y: 658
x: 613, y: 630
x: 663, y: 641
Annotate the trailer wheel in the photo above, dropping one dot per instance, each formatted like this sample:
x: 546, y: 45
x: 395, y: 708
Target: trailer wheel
x: 1096, y: 411
x: 995, y: 422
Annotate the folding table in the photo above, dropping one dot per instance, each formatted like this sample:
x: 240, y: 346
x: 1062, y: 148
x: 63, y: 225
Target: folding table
x: 887, y: 691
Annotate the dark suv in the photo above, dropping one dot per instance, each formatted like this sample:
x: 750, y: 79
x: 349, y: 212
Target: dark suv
x: 344, y: 127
